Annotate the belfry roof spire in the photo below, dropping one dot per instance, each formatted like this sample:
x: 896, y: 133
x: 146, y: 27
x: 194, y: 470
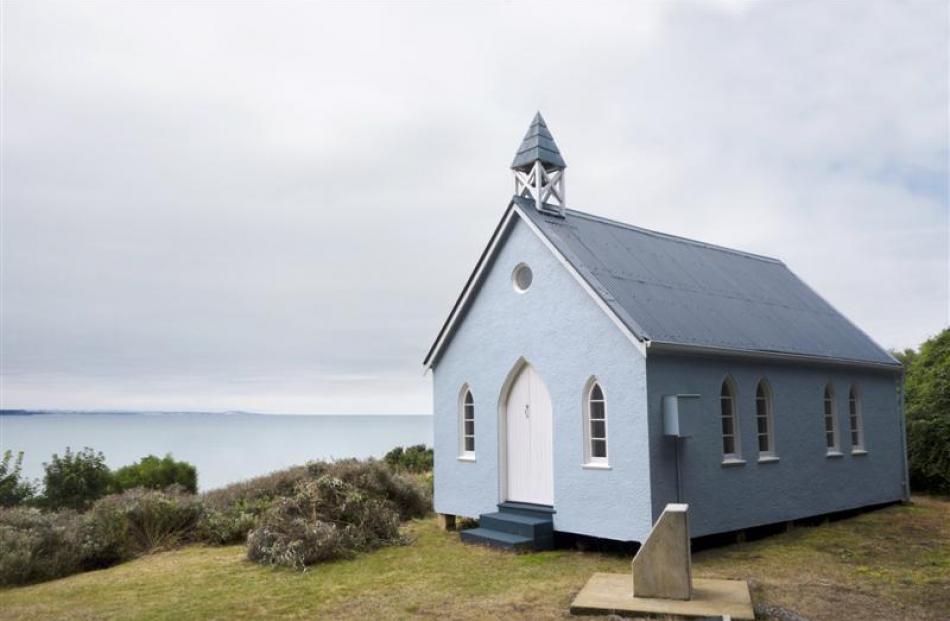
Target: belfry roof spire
x: 539, y: 169
x: 538, y: 144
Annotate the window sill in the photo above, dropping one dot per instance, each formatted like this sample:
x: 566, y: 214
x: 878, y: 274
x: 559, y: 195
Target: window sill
x: 732, y: 461
x: 830, y: 454
x: 596, y: 466
x: 467, y: 458
x: 768, y: 459
x: 859, y: 452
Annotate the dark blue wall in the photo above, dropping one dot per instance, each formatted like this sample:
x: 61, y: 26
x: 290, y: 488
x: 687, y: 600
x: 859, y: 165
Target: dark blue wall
x: 804, y: 481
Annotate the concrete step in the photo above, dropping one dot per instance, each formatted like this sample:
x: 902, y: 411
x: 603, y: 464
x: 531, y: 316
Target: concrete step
x: 524, y: 508
x: 506, y: 541
x: 524, y: 525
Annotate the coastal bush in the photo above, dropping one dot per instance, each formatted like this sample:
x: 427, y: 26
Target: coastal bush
x: 375, y: 478
x: 75, y: 480
x: 254, y: 495
x: 36, y: 545
x: 326, y: 518
x: 228, y: 525
x: 142, y: 520
x: 416, y: 459
x: 156, y: 473
x: 14, y: 488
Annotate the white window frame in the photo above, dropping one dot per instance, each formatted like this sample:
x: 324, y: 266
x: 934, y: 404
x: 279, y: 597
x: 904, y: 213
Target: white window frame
x: 736, y: 455
x: 829, y: 411
x: 589, y: 459
x: 856, y: 421
x: 464, y: 395
x: 769, y: 452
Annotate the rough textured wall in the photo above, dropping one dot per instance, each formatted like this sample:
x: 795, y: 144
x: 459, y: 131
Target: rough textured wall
x: 559, y: 329
x: 804, y: 481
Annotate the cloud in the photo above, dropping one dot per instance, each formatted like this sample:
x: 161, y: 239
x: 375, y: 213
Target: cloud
x: 273, y: 208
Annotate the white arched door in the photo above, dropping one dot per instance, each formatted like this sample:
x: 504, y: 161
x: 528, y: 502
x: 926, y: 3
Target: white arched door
x: 529, y: 427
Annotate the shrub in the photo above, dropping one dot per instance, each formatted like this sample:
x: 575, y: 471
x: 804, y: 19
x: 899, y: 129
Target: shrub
x: 228, y: 525
x: 327, y: 518
x: 927, y: 407
x: 142, y: 520
x: 38, y: 546
x: 254, y: 495
x: 75, y: 480
x: 155, y: 473
x: 376, y: 479
x: 416, y: 459
x: 14, y: 489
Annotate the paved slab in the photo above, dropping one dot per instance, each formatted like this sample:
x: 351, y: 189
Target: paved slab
x: 612, y: 594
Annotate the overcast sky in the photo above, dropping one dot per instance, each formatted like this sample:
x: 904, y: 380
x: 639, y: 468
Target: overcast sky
x: 272, y: 207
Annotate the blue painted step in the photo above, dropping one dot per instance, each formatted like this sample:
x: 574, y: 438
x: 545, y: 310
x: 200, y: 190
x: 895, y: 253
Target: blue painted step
x: 515, y: 526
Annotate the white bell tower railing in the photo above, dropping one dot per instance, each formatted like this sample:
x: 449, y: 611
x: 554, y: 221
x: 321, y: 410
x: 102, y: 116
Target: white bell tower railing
x: 544, y: 187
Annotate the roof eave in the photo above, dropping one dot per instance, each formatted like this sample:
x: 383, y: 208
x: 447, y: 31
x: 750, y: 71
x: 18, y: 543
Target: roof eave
x: 661, y: 347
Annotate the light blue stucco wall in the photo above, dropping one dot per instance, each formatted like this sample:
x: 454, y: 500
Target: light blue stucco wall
x: 804, y: 482
x: 560, y: 330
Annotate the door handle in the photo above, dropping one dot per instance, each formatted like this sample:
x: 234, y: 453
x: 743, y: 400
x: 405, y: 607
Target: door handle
x: 527, y: 410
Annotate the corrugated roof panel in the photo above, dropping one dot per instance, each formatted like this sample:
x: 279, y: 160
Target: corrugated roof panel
x: 685, y: 292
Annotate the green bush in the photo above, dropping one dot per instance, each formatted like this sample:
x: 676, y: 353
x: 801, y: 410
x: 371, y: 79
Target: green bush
x: 14, y: 489
x: 927, y: 408
x: 155, y: 473
x: 326, y: 519
x: 143, y: 520
x: 416, y: 459
x: 75, y: 480
x: 229, y: 525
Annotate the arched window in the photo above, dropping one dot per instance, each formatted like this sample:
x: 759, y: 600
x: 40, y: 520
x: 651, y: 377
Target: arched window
x: 595, y: 425
x: 854, y: 416
x: 467, y: 426
x: 730, y: 426
x: 763, y: 419
x: 831, y: 420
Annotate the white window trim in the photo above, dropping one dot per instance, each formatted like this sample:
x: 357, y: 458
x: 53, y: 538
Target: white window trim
x: 856, y: 423
x: 829, y: 395
x: 734, y: 458
x: 589, y: 460
x: 768, y: 455
x: 465, y: 455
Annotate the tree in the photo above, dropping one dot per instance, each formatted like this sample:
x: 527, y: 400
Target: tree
x: 927, y: 408
x: 14, y: 489
x: 75, y: 480
x: 155, y: 473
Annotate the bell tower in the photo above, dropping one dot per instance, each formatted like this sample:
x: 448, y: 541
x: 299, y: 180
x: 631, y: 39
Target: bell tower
x: 539, y: 169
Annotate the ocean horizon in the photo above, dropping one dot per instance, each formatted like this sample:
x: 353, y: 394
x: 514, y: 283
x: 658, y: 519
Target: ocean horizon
x: 224, y: 446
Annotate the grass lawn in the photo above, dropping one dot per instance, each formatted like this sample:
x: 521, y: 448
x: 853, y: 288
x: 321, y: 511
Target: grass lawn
x: 889, y: 564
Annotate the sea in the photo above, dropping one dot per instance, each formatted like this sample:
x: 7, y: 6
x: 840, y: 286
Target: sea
x: 225, y: 447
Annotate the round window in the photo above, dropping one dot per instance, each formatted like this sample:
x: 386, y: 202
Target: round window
x: 521, y: 277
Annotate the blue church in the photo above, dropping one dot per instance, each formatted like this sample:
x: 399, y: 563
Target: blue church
x: 592, y: 371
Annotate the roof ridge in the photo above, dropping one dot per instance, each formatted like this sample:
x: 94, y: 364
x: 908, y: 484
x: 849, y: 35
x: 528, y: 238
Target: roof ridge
x: 676, y: 238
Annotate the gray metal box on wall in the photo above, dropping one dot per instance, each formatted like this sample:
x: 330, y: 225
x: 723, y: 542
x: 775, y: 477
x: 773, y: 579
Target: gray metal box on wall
x: 680, y: 413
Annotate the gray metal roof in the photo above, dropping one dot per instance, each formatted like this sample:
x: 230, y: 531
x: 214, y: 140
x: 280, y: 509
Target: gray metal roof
x: 681, y: 292
x: 538, y: 144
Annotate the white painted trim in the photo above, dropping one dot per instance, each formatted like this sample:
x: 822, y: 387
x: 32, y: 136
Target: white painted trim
x: 733, y: 461
x: 466, y: 459
x: 640, y: 345
x: 770, y: 453
x: 466, y: 455
x: 589, y: 459
x: 834, y: 454
x: 859, y: 452
x: 768, y: 459
x: 596, y: 466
